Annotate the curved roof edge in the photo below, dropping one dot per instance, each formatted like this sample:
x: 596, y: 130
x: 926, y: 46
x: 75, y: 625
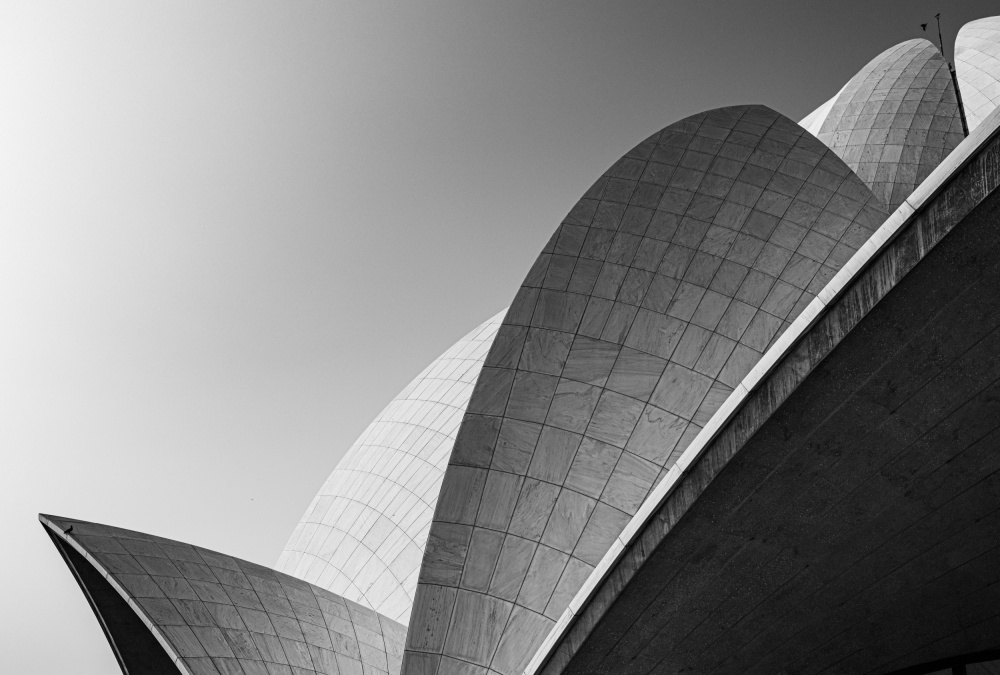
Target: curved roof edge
x: 168, y: 607
x: 900, y: 219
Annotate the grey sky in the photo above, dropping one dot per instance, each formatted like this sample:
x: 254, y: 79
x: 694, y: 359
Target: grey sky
x: 231, y: 232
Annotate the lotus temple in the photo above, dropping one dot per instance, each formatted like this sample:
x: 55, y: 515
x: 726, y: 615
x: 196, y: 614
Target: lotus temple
x: 741, y: 416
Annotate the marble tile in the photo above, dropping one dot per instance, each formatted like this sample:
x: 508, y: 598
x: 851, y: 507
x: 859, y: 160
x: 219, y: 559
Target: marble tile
x: 534, y: 505
x: 635, y: 373
x: 566, y: 522
x: 558, y: 447
x: 543, y: 574
x: 614, y: 418
x: 511, y: 566
x: 592, y: 466
x: 476, y: 626
x: 630, y: 482
x: 444, y: 556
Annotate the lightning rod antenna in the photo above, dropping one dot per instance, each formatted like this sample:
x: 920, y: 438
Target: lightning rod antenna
x: 954, y: 77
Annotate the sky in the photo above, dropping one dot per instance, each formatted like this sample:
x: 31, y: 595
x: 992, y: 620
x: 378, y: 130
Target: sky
x: 231, y: 232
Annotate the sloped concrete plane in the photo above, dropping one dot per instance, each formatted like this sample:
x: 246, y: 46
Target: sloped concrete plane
x: 742, y: 416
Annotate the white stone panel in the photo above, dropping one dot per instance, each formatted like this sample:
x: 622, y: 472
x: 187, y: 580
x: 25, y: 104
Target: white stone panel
x: 364, y: 533
x: 977, y: 64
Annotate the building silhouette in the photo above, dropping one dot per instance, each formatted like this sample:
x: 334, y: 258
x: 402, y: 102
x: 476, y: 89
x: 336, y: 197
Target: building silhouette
x: 742, y: 415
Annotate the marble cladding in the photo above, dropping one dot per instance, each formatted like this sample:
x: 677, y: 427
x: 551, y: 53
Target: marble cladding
x: 895, y: 120
x: 977, y: 64
x: 364, y: 533
x: 220, y: 615
x: 653, y: 299
x: 906, y: 577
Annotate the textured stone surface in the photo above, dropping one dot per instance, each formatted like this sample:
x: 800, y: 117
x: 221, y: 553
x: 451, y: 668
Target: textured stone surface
x: 213, y: 614
x: 896, y: 119
x: 364, y: 533
x: 844, y: 519
x: 977, y: 64
x: 653, y: 299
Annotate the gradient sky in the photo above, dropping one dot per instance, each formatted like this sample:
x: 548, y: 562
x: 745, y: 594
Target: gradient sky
x: 231, y: 232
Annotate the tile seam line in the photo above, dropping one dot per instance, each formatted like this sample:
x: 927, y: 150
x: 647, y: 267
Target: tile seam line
x: 381, y: 477
x: 917, y: 207
x: 360, y: 542
x: 363, y: 594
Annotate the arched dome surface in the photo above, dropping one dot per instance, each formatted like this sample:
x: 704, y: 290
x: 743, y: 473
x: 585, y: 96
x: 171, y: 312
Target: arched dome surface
x: 364, y: 533
x: 653, y: 299
x: 977, y: 64
x: 895, y: 120
x: 169, y: 608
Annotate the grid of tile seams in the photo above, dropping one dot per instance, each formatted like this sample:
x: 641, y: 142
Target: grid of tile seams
x: 654, y: 298
x: 226, y: 616
x: 896, y: 120
x: 977, y: 64
x: 364, y: 533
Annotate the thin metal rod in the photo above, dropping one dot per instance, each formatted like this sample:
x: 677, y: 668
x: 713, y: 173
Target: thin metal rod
x: 954, y: 78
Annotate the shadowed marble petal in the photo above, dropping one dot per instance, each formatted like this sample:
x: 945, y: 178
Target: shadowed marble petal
x: 677, y: 270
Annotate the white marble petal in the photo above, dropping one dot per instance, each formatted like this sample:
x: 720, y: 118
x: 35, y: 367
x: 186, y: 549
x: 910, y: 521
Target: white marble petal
x: 363, y: 535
